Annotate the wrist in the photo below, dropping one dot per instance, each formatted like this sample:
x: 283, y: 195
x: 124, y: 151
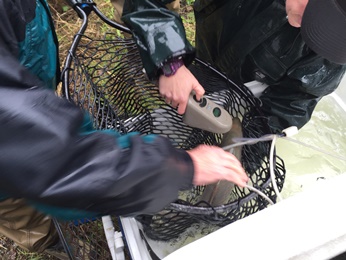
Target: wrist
x: 170, y: 67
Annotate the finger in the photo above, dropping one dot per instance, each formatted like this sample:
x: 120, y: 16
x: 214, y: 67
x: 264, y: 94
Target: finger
x: 237, y: 182
x: 229, y: 158
x: 238, y: 176
x: 182, y: 107
x: 236, y: 167
x: 174, y: 104
x: 243, y: 176
x: 234, y: 176
x: 162, y: 92
x: 294, y: 19
x: 168, y: 101
x: 199, y: 91
x: 166, y: 96
x: 239, y: 172
x: 295, y: 10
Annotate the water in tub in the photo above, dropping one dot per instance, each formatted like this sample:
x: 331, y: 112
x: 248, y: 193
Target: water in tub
x: 327, y: 131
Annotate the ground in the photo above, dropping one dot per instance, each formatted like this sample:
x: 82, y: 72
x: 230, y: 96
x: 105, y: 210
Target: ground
x: 10, y: 251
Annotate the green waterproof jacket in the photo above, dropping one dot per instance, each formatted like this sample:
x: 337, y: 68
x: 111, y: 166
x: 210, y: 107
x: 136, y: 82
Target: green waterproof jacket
x: 159, y: 33
x: 248, y: 40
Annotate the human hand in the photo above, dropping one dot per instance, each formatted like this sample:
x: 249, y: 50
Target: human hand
x: 295, y: 10
x: 212, y: 164
x: 176, y: 89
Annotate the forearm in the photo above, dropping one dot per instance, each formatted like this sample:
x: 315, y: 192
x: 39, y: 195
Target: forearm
x: 287, y: 106
x: 47, y: 159
x: 291, y: 101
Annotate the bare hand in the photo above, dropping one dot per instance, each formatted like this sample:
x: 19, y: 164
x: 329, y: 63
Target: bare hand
x: 212, y: 164
x: 295, y: 10
x: 177, y: 88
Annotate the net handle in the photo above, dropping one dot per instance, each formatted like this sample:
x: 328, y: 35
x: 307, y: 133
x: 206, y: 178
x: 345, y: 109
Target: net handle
x: 83, y: 8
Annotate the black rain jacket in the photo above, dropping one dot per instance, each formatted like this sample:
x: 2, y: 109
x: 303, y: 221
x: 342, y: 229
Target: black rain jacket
x: 49, y: 153
x: 252, y: 40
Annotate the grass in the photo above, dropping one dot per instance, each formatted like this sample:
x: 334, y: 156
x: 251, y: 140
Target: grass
x: 10, y: 251
x: 67, y: 23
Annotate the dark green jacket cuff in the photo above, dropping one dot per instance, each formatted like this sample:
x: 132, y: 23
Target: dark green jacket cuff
x: 159, y: 34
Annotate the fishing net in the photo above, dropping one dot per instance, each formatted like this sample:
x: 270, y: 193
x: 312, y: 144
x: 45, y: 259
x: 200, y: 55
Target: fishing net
x: 86, y: 239
x: 105, y: 77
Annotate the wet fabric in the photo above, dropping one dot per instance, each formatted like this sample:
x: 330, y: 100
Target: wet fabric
x: 119, y: 4
x: 26, y: 226
x: 252, y: 40
x: 159, y: 33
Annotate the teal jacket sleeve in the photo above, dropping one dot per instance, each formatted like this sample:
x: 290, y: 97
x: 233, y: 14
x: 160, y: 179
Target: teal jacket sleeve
x: 159, y: 34
x: 50, y: 157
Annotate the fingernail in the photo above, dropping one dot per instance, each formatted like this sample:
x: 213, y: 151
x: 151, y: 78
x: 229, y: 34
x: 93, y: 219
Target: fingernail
x: 295, y: 19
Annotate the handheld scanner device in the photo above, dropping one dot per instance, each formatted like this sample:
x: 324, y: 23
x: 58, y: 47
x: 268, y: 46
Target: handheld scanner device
x: 207, y: 115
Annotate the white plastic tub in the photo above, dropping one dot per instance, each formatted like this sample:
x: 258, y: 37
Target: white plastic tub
x: 309, y: 224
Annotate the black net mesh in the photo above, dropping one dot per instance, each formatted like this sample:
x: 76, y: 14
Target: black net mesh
x: 106, y: 78
x: 86, y: 239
